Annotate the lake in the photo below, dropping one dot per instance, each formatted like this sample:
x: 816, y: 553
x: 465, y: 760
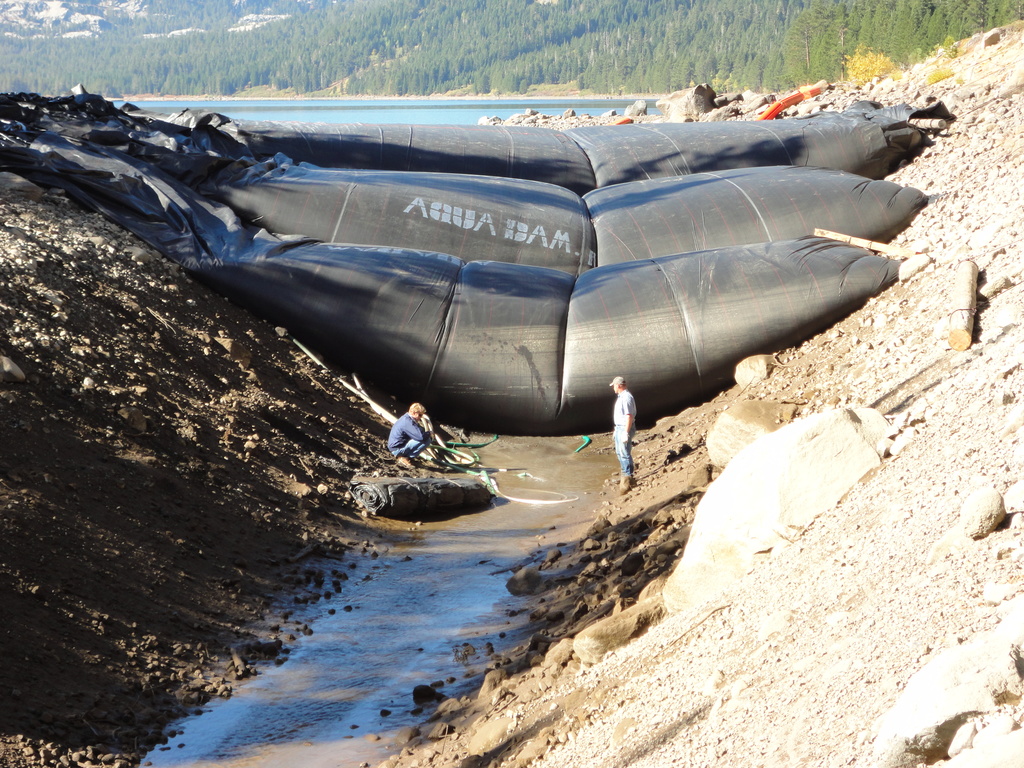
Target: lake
x: 414, y: 111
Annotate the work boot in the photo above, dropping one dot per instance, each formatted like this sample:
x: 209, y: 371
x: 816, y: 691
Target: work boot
x: 625, y: 484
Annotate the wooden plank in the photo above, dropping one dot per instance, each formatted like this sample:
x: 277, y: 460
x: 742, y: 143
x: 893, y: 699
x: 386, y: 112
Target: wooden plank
x: 889, y: 250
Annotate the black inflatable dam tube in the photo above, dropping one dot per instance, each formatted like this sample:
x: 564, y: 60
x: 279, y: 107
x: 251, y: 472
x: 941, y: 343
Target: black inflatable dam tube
x: 527, y: 350
x: 475, y: 218
x: 516, y: 152
x: 676, y: 326
x: 658, y: 217
x: 862, y: 142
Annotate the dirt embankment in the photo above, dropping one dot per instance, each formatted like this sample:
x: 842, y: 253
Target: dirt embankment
x: 168, y: 461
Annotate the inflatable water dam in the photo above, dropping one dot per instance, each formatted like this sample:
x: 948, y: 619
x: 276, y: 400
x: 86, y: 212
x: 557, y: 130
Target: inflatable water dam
x: 502, y: 276
x: 866, y: 139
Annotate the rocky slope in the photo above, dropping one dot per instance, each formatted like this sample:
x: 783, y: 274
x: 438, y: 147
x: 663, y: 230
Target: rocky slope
x: 803, y: 661
x: 169, y: 462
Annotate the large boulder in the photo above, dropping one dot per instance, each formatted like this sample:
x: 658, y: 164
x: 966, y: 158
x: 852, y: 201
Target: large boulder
x: 9, y: 370
x: 600, y: 638
x: 769, y: 493
x: 1006, y: 752
x: 637, y: 109
x: 754, y: 369
x: 689, y: 104
x: 960, y: 683
x: 525, y: 581
x: 982, y: 512
x: 489, y: 735
x: 741, y: 425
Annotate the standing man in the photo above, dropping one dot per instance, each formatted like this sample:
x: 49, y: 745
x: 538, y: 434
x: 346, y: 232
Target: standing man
x: 409, y: 436
x: 624, y: 419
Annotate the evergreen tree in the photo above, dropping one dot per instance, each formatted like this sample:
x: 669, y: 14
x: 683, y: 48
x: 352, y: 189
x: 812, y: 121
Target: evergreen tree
x: 815, y: 43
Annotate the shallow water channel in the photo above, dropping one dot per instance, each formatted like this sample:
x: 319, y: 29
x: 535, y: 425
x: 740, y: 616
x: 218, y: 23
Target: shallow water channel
x: 401, y: 620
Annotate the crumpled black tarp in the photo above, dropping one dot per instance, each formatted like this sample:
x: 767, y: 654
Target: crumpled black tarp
x: 414, y: 497
x: 486, y: 345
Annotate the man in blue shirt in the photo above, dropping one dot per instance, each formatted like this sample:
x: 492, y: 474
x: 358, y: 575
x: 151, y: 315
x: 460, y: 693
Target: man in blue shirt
x: 624, y: 419
x: 409, y: 436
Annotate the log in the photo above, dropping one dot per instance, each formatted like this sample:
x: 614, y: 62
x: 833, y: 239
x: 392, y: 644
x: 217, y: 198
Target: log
x: 965, y: 299
x: 889, y: 250
x: 929, y: 123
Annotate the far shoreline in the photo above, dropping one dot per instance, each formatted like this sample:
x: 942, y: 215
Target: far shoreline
x: 438, y: 97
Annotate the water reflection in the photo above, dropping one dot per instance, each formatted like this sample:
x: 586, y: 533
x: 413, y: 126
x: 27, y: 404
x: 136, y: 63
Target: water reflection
x: 399, y: 621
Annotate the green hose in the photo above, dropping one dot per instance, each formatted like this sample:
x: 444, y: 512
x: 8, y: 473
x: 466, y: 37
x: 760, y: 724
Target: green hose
x: 474, y: 445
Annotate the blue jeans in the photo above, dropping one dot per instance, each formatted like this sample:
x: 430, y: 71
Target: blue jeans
x: 624, y: 449
x: 412, y: 449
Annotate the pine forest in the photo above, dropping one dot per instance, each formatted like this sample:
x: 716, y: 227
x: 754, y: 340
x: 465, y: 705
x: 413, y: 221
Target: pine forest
x: 495, y: 47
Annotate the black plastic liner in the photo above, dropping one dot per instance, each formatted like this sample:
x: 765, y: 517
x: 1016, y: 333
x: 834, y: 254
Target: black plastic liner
x: 486, y: 345
x: 865, y: 140
x: 645, y: 219
x: 472, y: 217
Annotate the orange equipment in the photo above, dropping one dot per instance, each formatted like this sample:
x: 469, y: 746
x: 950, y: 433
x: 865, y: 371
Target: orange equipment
x: 804, y: 92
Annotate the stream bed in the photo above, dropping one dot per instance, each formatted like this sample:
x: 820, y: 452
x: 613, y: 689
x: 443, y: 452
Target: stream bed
x: 424, y: 612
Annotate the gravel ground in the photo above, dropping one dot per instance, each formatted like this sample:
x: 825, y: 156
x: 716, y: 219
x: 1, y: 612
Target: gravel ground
x: 797, y: 662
